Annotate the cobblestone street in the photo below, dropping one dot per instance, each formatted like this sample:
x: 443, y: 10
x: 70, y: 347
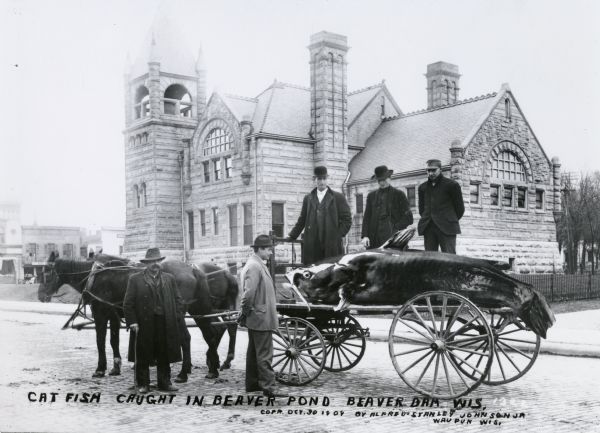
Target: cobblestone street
x: 559, y: 394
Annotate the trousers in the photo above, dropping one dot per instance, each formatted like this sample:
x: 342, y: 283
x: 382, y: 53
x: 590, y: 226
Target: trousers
x: 163, y: 367
x: 259, y: 357
x: 435, y: 238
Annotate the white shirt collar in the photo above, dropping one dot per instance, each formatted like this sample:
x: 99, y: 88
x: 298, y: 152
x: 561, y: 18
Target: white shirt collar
x: 321, y: 194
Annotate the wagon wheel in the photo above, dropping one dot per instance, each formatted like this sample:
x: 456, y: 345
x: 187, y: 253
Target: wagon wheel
x: 299, y: 352
x: 516, y: 348
x: 345, y: 343
x: 431, y: 348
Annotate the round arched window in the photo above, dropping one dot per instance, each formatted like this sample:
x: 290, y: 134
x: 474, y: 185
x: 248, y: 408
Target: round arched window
x: 217, y: 141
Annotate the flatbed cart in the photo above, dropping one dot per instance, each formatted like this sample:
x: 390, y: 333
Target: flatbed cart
x: 440, y: 343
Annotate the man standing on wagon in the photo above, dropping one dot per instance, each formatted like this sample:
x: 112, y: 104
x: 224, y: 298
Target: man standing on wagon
x: 259, y: 315
x: 387, y: 211
x: 441, y: 205
x: 325, y: 218
x: 152, y: 308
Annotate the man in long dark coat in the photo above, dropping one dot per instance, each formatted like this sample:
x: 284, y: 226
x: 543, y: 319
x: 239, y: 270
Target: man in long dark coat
x: 387, y: 211
x: 153, y: 308
x: 325, y: 218
x: 441, y: 206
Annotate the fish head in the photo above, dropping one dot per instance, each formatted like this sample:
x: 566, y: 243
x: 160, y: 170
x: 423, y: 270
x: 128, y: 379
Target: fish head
x: 313, y: 282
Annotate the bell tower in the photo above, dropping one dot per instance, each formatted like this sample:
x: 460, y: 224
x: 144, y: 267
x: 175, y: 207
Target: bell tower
x: 165, y: 92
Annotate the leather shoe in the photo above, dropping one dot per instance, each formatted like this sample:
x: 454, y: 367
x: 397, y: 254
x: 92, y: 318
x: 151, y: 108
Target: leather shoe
x: 181, y: 379
x: 273, y: 393
x: 253, y: 389
x: 169, y: 388
x: 145, y: 389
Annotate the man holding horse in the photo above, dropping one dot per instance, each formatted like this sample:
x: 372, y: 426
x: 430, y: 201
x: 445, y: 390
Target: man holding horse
x: 259, y: 315
x: 153, y: 308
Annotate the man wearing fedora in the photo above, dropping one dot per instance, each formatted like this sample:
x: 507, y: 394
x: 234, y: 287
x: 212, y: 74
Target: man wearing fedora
x: 259, y: 315
x: 441, y: 206
x: 325, y: 218
x: 386, y: 212
x: 153, y: 308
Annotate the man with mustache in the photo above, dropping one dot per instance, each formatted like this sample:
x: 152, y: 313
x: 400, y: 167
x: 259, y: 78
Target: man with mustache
x: 441, y: 206
x: 153, y: 309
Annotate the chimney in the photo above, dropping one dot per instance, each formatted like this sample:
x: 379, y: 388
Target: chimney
x: 329, y: 104
x: 442, y: 84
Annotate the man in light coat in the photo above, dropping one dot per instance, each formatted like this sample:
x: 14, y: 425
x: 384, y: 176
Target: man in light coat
x: 259, y: 315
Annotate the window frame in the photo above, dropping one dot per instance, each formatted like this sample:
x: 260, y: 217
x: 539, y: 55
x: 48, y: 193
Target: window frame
x: 215, y: 215
x: 360, y: 208
x: 275, y: 226
x: 477, y: 194
x: 190, y: 224
x: 542, y: 201
x: 233, y: 225
x: 248, y: 223
x: 202, y: 222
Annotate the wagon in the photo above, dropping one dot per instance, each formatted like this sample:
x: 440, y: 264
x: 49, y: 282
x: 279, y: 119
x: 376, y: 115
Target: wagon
x: 441, y: 344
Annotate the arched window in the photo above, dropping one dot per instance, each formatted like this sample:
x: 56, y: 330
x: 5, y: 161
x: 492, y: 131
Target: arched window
x: 143, y: 198
x: 507, y: 166
x: 142, y: 102
x: 507, y: 112
x: 217, y: 141
x: 177, y: 101
x: 136, y: 193
x: 447, y: 92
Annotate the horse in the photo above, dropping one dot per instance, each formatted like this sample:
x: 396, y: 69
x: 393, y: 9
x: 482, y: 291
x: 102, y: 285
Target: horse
x: 58, y: 272
x: 204, y: 289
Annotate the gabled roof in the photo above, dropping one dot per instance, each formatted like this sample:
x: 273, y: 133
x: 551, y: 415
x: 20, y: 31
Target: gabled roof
x: 283, y: 109
x: 242, y: 108
x: 165, y: 43
x: 359, y: 99
x: 404, y: 143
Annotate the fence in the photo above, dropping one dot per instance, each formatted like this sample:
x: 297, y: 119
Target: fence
x: 564, y: 287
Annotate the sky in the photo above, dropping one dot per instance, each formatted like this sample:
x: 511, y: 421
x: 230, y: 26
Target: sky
x: 63, y: 66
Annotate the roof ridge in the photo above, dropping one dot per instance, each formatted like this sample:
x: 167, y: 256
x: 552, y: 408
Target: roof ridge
x: 364, y: 89
x: 244, y: 98
x: 442, y: 107
x: 264, y: 120
x: 295, y: 86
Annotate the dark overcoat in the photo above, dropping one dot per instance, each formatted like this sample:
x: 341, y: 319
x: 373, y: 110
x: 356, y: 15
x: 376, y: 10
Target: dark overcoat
x: 398, y: 216
x: 338, y: 221
x: 441, y: 204
x: 139, y: 308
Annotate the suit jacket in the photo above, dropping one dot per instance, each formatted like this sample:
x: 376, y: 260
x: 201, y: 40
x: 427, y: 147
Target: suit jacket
x: 258, y: 301
x: 399, y: 215
x: 441, y: 205
x: 138, y: 306
x: 338, y: 221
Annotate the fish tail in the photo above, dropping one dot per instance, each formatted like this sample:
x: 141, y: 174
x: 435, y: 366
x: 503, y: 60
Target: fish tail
x: 536, y: 314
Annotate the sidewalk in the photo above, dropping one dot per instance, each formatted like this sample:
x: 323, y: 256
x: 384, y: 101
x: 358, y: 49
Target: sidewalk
x: 573, y: 334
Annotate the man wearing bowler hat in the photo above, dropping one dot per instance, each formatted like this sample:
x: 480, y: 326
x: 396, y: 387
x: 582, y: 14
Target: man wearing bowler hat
x: 325, y: 218
x: 153, y: 308
x: 387, y: 211
x: 441, y: 206
x: 259, y: 315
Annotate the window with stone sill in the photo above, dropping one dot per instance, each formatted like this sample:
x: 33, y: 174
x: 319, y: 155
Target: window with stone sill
x: 202, y: 222
x: 216, y: 221
x: 359, y: 203
x: 507, y: 196
x: 539, y: 199
x: 277, y: 219
x: 228, y: 166
x: 494, y: 195
x: 521, y: 198
x: 206, y: 166
x: 411, y: 196
x: 217, y: 169
x: 474, y: 193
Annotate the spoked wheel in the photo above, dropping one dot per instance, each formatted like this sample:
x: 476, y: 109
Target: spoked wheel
x: 516, y: 348
x: 298, y: 352
x: 437, y: 337
x: 345, y: 343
